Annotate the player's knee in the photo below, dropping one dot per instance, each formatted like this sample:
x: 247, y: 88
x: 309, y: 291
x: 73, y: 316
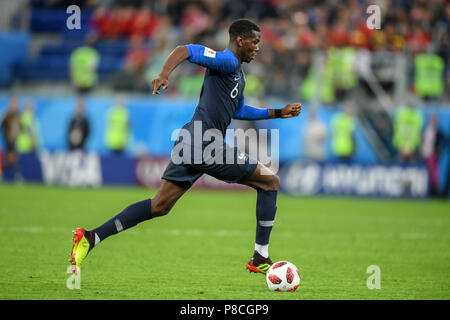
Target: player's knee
x: 273, y: 182
x: 276, y: 182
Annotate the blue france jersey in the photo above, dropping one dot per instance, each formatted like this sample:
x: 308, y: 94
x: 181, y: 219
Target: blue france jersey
x: 222, y: 89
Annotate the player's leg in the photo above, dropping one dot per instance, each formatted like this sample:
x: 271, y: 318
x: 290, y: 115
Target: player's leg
x: 266, y: 184
x: 165, y: 198
x: 84, y: 240
x: 176, y: 180
x: 246, y: 170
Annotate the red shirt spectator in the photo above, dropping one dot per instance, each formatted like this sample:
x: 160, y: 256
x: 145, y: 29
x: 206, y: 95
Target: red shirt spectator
x: 419, y: 39
x: 195, y: 19
x: 115, y: 23
x: 338, y: 35
x: 137, y: 56
x: 99, y: 21
x: 305, y: 37
x: 143, y: 24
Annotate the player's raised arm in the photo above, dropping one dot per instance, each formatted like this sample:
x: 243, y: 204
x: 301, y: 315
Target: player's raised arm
x: 177, y: 56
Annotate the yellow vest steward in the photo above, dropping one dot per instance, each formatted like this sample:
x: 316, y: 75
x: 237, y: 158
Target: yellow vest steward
x: 343, y: 126
x: 117, y: 132
x: 25, y: 140
x: 429, y: 75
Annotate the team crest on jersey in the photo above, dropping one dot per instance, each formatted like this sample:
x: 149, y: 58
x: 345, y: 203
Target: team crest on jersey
x: 209, y: 53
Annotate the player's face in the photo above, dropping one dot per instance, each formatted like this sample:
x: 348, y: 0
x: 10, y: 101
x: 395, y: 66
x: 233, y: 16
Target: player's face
x: 250, y: 46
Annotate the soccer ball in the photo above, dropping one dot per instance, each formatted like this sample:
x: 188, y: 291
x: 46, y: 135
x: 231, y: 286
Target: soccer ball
x: 283, y: 276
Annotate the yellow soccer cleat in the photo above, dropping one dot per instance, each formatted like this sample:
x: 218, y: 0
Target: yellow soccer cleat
x: 258, y: 264
x: 80, y: 249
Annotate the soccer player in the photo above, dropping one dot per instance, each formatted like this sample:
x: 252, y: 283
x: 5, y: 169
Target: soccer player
x: 221, y: 99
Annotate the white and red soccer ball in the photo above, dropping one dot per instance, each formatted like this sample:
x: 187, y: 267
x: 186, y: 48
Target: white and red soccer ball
x: 283, y: 276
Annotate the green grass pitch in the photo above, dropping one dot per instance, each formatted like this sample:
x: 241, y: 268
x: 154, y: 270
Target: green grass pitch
x: 200, y: 249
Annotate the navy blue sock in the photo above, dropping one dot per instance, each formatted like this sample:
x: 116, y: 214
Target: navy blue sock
x: 266, y: 207
x: 129, y: 217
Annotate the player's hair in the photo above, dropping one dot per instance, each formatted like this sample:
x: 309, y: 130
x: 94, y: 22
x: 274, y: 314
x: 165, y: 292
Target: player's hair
x: 242, y: 27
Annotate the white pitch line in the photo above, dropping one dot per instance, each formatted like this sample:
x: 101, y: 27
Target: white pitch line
x: 241, y: 233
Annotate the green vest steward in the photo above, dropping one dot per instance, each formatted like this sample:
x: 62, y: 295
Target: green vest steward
x: 429, y: 75
x: 343, y: 126
x: 25, y: 142
x: 83, y: 67
x: 190, y: 86
x: 117, y: 131
x: 407, y: 129
x: 341, y: 62
x: 325, y: 79
x: 253, y: 87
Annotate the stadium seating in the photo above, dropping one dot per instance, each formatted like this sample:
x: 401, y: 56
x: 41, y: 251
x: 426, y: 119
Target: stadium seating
x: 17, y: 44
x: 52, y: 61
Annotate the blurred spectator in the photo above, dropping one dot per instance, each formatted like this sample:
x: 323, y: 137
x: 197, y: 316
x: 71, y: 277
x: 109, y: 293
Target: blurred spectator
x: 432, y: 142
x: 408, y: 124
x: 114, y: 23
x: 190, y: 86
x: 343, y: 140
x: 10, y: 129
x: 117, y: 128
x: 137, y: 55
x: 315, y: 138
x: 341, y: 61
x: 419, y: 39
x: 84, y: 62
x: 254, y: 87
x: 429, y: 75
x: 143, y: 24
x: 194, y: 21
x: 132, y: 77
x: 28, y: 137
x: 78, y: 131
x: 318, y: 84
x: 164, y: 42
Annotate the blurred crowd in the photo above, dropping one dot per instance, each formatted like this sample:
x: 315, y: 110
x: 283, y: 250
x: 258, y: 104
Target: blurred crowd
x: 292, y: 31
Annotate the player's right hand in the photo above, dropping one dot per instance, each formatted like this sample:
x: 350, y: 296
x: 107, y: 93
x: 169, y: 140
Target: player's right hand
x: 159, y: 82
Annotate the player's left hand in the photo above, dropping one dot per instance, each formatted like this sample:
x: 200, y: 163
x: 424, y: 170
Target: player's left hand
x: 291, y: 110
x: 159, y: 83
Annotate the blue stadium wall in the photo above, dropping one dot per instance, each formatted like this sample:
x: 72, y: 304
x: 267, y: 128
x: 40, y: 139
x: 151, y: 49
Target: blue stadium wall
x: 153, y: 119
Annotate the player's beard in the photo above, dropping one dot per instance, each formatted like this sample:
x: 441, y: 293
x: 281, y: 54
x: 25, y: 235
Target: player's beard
x: 250, y: 58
